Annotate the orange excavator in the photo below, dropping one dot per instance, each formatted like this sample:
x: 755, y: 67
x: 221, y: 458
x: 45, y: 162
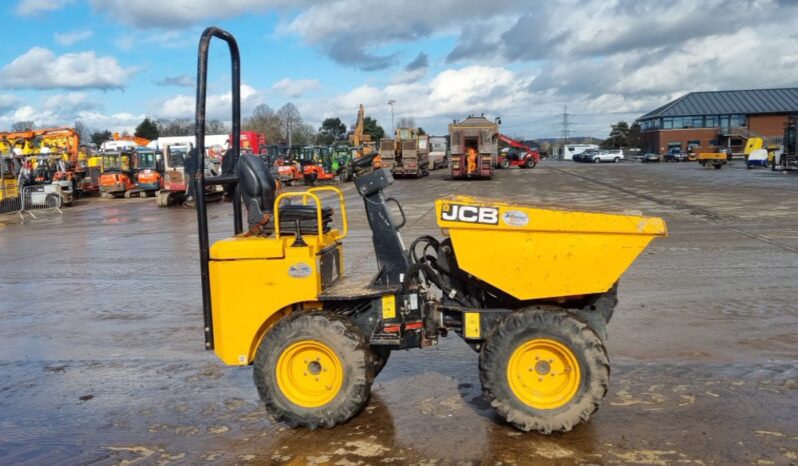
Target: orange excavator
x: 141, y: 142
x: 519, y: 155
x: 64, y: 141
x: 118, y: 178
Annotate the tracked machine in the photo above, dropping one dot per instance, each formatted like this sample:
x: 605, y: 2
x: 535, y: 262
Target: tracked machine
x: 530, y: 289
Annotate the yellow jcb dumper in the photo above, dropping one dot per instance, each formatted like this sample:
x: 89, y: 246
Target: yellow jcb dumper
x: 530, y: 289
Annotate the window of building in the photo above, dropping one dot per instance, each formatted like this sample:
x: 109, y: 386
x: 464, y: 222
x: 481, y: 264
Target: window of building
x: 674, y: 145
x: 736, y: 142
x: 738, y: 120
x: 677, y: 122
x: 714, y: 142
x: 693, y: 144
x: 711, y: 121
x: 657, y: 123
x: 667, y: 123
x: 698, y: 122
x: 724, y: 121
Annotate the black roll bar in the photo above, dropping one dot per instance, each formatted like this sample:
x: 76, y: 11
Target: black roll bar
x: 200, y: 181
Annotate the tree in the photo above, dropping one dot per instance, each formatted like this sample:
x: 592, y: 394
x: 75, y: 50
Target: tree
x: 619, y: 134
x: 421, y: 131
x: 99, y: 137
x: 303, y: 134
x: 633, y: 138
x: 331, y: 130
x: 216, y: 127
x: 373, y: 129
x: 290, y: 120
x: 175, y: 128
x: 292, y: 129
x: 406, y: 122
x: 264, y: 121
x: 83, y: 131
x: 147, y: 129
x: 23, y: 125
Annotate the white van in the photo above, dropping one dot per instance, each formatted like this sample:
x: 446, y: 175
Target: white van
x: 572, y: 149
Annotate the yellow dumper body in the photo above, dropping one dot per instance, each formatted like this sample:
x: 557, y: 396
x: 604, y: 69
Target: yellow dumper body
x: 533, y: 253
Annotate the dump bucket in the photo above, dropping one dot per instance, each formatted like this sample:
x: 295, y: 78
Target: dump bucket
x: 533, y: 253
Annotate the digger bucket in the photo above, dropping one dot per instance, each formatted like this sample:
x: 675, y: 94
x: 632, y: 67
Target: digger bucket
x: 531, y: 253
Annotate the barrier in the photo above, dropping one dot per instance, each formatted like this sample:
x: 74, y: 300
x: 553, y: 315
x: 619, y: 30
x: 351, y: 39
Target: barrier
x: 41, y: 199
x: 11, y: 206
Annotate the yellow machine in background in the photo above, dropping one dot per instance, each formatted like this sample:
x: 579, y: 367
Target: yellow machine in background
x: 9, y: 183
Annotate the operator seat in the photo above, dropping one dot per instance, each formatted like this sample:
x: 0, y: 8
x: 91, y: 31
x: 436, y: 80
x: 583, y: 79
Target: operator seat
x: 258, y: 190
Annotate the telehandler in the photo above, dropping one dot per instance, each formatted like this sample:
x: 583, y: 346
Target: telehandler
x: 501, y: 277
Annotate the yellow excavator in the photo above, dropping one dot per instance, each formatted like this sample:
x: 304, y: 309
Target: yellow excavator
x: 530, y: 289
x: 361, y: 142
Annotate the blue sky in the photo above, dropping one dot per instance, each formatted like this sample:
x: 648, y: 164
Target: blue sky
x: 109, y: 63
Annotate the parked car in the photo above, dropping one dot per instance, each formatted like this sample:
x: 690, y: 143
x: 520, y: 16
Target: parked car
x: 605, y: 156
x: 651, y: 157
x: 675, y: 156
x: 586, y: 156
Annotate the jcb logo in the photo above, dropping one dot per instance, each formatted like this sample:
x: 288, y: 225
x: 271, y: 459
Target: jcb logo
x: 470, y: 214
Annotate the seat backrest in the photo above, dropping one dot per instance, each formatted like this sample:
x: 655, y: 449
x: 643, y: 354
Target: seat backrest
x: 257, y: 187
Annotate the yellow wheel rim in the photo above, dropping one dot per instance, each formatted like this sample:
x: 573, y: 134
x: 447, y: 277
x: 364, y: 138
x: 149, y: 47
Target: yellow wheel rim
x: 543, y: 373
x: 309, y: 373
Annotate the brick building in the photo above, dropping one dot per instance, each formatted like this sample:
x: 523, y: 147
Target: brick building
x: 702, y: 121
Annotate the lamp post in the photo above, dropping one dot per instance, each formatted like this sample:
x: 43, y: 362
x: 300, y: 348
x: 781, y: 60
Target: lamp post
x: 391, y: 103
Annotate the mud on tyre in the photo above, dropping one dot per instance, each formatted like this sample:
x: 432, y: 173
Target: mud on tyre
x: 543, y: 369
x: 313, y: 369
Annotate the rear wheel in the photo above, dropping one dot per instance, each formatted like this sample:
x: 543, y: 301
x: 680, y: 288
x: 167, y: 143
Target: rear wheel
x: 617, y: 160
x: 504, y: 164
x: 596, y: 160
x: 543, y: 369
x: 530, y: 163
x: 379, y: 359
x: 313, y: 369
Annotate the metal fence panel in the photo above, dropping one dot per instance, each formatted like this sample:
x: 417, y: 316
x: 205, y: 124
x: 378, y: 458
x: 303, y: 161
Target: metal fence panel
x: 41, y: 199
x: 11, y: 206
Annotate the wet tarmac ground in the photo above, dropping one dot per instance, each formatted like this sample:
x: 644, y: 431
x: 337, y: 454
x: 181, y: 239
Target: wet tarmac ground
x: 102, y: 358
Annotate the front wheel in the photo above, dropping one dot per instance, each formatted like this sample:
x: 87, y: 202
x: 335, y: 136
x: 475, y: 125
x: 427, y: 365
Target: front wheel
x: 543, y: 369
x: 530, y: 164
x: 504, y: 164
x: 313, y: 369
x: 596, y: 160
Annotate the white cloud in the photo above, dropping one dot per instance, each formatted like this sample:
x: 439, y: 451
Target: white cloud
x: 71, y: 102
x: 171, y: 39
x: 40, y: 68
x: 72, y: 37
x: 182, y: 80
x: 66, y: 116
x: 218, y: 106
x: 7, y: 102
x: 34, y: 7
x: 296, y: 87
x: 181, y: 13
x: 433, y: 104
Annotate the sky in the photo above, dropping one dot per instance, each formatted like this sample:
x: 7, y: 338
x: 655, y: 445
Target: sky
x: 110, y: 63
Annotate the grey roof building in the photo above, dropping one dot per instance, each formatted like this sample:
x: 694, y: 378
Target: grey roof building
x: 704, y: 121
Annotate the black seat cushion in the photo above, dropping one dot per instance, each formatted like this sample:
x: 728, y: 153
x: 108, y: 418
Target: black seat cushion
x: 306, y: 215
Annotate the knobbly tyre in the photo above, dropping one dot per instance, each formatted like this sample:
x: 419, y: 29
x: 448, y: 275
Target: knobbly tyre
x: 275, y: 295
